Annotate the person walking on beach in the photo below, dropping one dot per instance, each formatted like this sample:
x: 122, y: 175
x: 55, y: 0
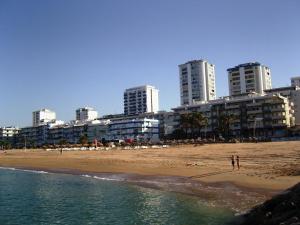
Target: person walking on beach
x: 61, y: 151
x: 238, y: 162
x: 232, y: 162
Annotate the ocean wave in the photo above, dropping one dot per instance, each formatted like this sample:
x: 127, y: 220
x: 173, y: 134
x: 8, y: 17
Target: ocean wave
x: 103, y: 178
x: 85, y: 175
x: 31, y: 171
x: 34, y: 171
x: 107, y: 178
x: 7, y: 168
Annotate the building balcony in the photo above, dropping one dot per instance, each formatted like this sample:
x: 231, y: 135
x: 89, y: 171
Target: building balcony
x: 279, y: 117
x: 232, y: 106
x: 277, y: 109
x: 254, y: 112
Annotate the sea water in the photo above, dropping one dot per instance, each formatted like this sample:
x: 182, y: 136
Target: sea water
x: 28, y: 198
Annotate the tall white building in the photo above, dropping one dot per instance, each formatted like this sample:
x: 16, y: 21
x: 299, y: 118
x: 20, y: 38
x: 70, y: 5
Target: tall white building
x: 197, y: 82
x: 249, y: 77
x: 86, y: 114
x: 295, y: 81
x: 141, y: 99
x: 42, y: 117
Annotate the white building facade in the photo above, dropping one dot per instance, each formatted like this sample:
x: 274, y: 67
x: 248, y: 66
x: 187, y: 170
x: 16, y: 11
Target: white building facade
x: 197, y: 82
x: 42, y: 117
x: 249, y: 77
x: 8, y: 132
x: 141, y: 99
x: 135, y: 129
x: 295, y: 81
x: 86, y: 114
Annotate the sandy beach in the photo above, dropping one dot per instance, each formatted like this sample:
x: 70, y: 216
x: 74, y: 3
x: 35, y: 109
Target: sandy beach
x: 269, y: 167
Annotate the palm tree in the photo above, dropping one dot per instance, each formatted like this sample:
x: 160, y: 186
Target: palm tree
x: 185, y: 123
x: 198, y: 121
x: 83, y: 140
x: 225, y: 120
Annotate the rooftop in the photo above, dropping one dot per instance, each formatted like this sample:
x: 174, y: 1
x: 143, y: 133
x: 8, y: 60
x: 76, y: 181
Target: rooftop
x: 44, y: 110
x: 194, y: 61
x: 250, y: 64
x: 291, y: 88
x: 140, y: 87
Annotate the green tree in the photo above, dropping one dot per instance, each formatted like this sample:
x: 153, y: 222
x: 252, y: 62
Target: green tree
x: 225, y: 120
x: 185, y: 123
x: 4, y: 144
x: 198, y: 122
x: 178, y: 134
x: 83, y: 140
x: 194, y: 122
x: 63, y: 142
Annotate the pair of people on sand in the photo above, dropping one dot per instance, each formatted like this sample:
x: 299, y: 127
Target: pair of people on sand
x: 237, y: 162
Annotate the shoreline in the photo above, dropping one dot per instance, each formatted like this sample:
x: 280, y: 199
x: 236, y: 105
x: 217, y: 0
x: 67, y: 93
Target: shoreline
x: 266, y: 168
x: 218, y: 194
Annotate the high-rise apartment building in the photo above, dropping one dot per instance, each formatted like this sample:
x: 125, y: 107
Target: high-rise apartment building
x: 197, y: 82
x: 42, y: 117
x: 140, y: 99
x: 295, y: 81
x: 86, y: 114
x: 249, y: 77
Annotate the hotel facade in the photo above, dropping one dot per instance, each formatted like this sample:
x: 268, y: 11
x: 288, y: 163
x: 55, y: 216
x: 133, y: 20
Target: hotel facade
x: 253, y: 114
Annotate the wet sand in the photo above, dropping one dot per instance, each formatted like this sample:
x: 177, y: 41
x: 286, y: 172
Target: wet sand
x: 266, y: 168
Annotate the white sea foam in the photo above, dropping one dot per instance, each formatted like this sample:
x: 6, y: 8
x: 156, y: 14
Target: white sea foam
x: 31, y: 171
x: 101, y: 178
x: 85, y: 175
x: 7, y: 168
x: 107, y: 178
x: 34, y: 171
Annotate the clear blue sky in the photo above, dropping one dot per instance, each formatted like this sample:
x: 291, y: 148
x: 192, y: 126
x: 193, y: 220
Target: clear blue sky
x: 65, y: 54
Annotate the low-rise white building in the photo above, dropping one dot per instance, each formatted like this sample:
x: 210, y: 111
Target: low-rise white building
x: 8, y: 132
x: 135, y: 129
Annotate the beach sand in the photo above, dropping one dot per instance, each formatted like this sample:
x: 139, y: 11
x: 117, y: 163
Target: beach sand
x: 269, y: 167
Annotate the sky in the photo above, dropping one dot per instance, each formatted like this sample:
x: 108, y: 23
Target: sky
x: 66, y: 54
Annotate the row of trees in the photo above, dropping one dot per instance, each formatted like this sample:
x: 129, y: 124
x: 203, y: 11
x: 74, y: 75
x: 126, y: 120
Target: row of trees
x: 193, y: 122
x: 192, y: 125
x: 5, y: 144
x: 83, y: 140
